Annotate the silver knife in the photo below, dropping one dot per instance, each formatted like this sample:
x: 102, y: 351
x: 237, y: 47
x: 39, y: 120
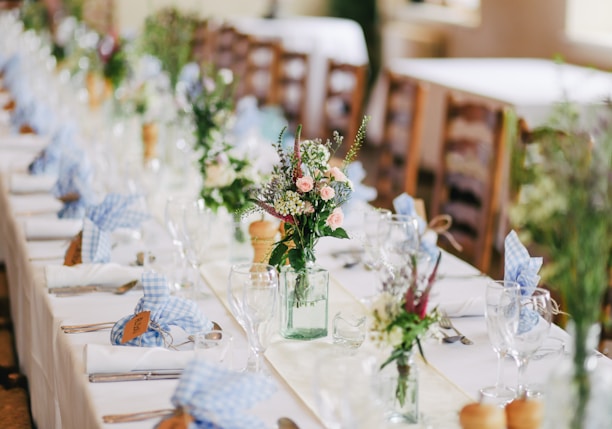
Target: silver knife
x: 73, y: 290
x: 105, y: 377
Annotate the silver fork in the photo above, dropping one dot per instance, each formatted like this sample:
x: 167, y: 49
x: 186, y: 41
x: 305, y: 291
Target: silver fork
x: 446, y: 323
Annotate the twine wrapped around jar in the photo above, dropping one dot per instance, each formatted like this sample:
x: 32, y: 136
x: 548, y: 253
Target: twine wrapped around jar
x: 149, y: 140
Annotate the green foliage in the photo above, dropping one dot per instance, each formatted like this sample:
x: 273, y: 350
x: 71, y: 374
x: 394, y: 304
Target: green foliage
x: 167, y: 35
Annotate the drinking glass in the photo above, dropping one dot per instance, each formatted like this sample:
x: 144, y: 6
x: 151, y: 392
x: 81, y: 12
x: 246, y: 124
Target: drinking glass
x: 494, y: 306
x: 526, y: 334
x: 173, y: 217
x: 371, y: 236
x: 400, y: 240
x: 196, y: 236
x: 349, y: 331
x: 252, y: 295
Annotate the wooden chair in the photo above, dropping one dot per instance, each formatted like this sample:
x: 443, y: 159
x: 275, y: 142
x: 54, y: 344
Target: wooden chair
x: 262, y: 69
x: 203, y: 42
x: 400, y: 151
x: 240, y: 53
x: 223, y: 51
x: 345, y: 91
x: 468, y: 181
x: 291, y: 87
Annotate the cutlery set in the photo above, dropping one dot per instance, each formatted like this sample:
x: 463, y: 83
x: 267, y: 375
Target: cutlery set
x: 79, y: 290
x: 105, y: 377
x: 445, y: 323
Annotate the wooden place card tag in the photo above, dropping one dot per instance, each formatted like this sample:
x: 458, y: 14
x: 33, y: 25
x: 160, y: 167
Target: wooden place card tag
x: 179, y: 420
x: 73, y: 254
x: 136, y: 326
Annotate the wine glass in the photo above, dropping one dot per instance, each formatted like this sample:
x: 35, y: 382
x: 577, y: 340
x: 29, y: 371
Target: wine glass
x: 530, y: 327
x: 173, y: 216
x: 494, y: 306
x: 252, y: 295
x: 399, y: 235
x: 371, y: 236
x: 195, y: 230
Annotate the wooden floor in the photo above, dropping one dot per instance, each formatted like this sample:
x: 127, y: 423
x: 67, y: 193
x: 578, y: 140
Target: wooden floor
x: 14, y: 400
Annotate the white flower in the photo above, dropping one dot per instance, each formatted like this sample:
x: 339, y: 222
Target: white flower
x: 395, y: 337
x: 219, y: 176
x: 315, y: 155
x: 289, y: 204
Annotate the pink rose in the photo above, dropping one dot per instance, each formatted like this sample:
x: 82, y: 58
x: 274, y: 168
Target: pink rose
x: 305, y: 184
x: 335, y: 219
x: 327, y: 193
x: 337, y: 174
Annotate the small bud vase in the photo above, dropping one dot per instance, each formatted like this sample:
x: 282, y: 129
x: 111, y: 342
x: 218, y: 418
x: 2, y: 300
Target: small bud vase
x: 398, y: 389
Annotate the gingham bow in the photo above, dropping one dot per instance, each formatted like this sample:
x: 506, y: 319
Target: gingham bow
x: 63, y: 141
x: 519, y: 267
x: 217, y: 397
x: 115, y: 211
x: 165, y: 311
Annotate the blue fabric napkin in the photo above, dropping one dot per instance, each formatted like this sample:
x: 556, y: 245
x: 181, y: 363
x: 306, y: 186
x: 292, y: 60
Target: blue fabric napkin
x: 165, y: 311
x: 13, y: 71
x: 404, y: 205
x: 521, y: 268
x: 48, y: 160
x: 115, y: 211
x: 217, y: 397
x: 247, y: 118
x: 33, y: 113
x: 74, y: 178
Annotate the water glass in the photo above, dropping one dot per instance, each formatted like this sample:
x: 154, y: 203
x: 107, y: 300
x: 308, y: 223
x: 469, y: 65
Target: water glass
x: 371, y: 236
x: 349, y: 331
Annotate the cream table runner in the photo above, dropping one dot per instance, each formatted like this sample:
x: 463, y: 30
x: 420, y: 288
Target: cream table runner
x: 440, y: 400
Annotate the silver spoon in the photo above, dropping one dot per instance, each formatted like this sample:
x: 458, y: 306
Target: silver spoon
x: 450, y: 338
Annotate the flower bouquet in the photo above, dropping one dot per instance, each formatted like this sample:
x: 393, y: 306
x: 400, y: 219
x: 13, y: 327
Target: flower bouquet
x: 114, y: 59
x: 306, y: 194
x: 400, y: 324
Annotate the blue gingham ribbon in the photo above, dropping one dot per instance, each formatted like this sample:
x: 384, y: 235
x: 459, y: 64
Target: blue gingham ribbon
x: 74, y: 177
x: 13, y: 71
x: 521, y: 268
x: 217, y: 397
x: 33, y: 113
x: 115, y: 211
x: 404, y: 205
x: 165, y: 311
x: 48, y: 160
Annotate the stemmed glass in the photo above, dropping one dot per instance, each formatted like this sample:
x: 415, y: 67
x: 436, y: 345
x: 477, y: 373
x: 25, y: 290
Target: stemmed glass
x: 252, y: 295
x: 399, y: 235
x: 371, y: 236
x: 174, y: 216
x: 494, y: 307
x: 530, y: 327
x: 195, y: 230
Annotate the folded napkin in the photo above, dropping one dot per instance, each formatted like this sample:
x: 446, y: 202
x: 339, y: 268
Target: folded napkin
x: 28, y: 184
x: 35, y: 204
x: 74, y: 184
x: 87, y: 274
x: 361, y: 193
x: 218, y: 398
x: 519, y: 267
x: 33, y: 113
x: 26, y: 142
x: 404, y: 205
x: 522, y: 269
x: 463, y: 308
x: 48, y: 160
x: 50, y: 228
x: 115, y: 211
x: 165, y: 311
x: 106, y: 358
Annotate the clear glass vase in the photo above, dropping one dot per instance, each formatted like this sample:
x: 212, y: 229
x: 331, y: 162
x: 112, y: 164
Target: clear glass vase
x: 304, y: 303
x: 579, y: 393
x: 398, y: 389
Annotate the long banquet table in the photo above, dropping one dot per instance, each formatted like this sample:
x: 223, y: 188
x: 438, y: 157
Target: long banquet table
x: 62, y: 396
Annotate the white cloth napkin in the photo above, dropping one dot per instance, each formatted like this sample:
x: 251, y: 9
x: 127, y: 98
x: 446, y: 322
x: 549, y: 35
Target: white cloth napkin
x: 35, y: 204
x: 28, y: 184
x: 86, y: 274
x: 28, y: 142
x: 473, y: 306
x: 51, y: 228
x: 107, y: 358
